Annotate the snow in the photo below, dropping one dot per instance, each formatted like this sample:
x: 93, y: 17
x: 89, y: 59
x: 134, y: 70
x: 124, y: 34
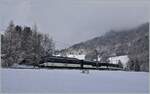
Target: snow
x: 67, y: 81
x: 22, y: 66
x: 124, y: 59
x: 81, y: 57
x: 60, y: 64
x: 57, y: 55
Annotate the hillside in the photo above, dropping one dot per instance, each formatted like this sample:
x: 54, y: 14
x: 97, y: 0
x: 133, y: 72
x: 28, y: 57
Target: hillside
x: 133, y: 42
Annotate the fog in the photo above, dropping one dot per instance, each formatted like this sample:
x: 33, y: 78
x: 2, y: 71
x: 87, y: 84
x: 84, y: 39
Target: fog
x: 73, y: 21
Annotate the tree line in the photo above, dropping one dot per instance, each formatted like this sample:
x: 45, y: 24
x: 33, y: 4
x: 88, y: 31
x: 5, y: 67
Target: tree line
x: 19, y: 43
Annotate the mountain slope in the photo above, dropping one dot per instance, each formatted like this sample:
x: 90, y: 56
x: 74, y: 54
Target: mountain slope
x: 133, y: 42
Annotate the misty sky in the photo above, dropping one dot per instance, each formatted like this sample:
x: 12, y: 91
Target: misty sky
x: 73, y: 21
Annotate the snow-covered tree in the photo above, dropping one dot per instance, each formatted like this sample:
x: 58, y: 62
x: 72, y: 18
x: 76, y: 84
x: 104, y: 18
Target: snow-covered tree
x: 120, y: 64
x: 48, y: 45
x: 7, y: 45
x: 20, y: 44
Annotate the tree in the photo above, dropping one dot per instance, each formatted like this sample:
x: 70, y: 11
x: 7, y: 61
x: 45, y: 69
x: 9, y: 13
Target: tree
x: 7, y: 45
x: 133, y: 65
x: 24, y: 44
x: 136, y: 66
x: 37, y: 47
x: 48, y: 45
x: 120, y: 64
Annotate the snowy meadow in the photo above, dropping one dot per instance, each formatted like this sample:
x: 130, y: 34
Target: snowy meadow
x: 67, y: 81
x: 74, y: 46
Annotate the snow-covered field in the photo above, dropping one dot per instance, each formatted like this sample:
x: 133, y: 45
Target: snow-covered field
x: 44, y: 81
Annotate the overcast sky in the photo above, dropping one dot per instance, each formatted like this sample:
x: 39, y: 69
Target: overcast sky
x: 73, y: 21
